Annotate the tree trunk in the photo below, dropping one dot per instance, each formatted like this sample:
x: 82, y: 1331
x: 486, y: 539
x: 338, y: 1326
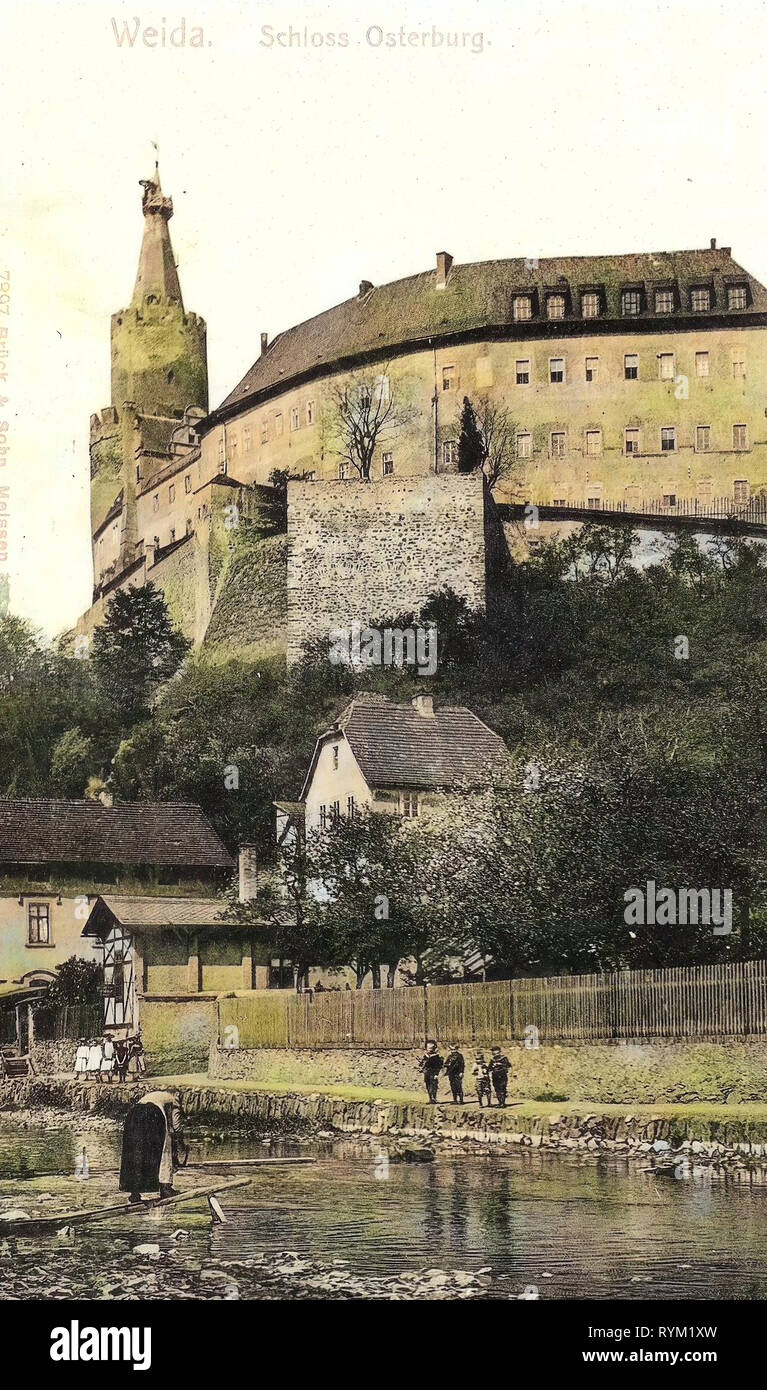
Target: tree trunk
x: 391, y: 975
x: 376, y: 973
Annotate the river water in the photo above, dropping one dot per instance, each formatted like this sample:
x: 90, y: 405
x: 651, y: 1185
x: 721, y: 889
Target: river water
x: 574, y: 1226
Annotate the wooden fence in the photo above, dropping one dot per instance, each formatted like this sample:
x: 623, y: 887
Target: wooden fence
x: 702, y: 1001
x: 69, y: 1021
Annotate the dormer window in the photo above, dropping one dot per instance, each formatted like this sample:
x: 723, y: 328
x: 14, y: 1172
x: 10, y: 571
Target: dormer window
x: 737, y: 297
x: 700, y: 300
x: 522, y: 307
x: 664, y: 301
x: 590, y: 305
x: 631, y: 303
x: 555, y: 306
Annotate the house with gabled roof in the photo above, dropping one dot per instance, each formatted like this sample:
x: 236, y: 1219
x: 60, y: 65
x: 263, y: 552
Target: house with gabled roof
x: 57, y: 857
x: 391, y: 757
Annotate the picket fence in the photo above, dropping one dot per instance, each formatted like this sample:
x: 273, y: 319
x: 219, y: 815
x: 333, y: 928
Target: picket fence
x: 702, y: 1001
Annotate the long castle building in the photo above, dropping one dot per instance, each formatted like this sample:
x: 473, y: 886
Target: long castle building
x: 633, y: 381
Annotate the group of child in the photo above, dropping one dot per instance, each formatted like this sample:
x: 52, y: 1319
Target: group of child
x: 494, y: 1072
x: 99, y: 1059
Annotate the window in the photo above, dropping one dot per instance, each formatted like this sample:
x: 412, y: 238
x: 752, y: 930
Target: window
x: 448, y: 378
x: 188, y: 483
x: 335, y: 812
x: 631, y: 303
x: 138, y: 473
x: 246, y: 439
x: 631, y: 366
x: 343, y: 471
x: 450, y: 453
x: 559, y: 502
x: 310, y: 477
x: 739, y: 437
x: 351, y: 807
x: 666, y: 366
x: 738, y: 367
x: 631, y: 441
x: 410, y: 805
x: 664, y: 301
x: 264, y: 431
x: 558, y: 444
x: 555, y: 306
x: 701, y: 364
x: 741, y: 490
x: 335, y: 757
x: 524, y: 445
x: 523, y: 371
x: 522, y: 306
x: 705, y: 490
x: 594, y: 502
x: 295, y: 418
x: 172, y: 535
x: 232, y: 445
x: 172, y: 492
x: 701, y: 301
x: 156, y: 502
x: 387, y: 465
x: 737, y: 297
x: 668, y: 439
x: 323, y: 817
x: 590, y: 305
x: 669, y: 499
x: 278, y: 423
x: 221, y: 449
x: 39, y: 924
x: 310, y: 412
x: 703, y: 439
x: 592, y: 368
x: 593, y: 443
x: 556, y: 369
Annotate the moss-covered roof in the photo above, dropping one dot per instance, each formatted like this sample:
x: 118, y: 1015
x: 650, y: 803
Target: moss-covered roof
x: 477, y: 296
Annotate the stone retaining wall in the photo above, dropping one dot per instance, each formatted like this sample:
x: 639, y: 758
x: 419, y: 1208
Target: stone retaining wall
x: 609, y: 1073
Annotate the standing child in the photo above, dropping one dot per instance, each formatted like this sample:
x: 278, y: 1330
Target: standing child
x: 481, y: 1080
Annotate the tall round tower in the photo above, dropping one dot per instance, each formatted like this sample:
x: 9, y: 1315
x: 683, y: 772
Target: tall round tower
x: 159, y: 354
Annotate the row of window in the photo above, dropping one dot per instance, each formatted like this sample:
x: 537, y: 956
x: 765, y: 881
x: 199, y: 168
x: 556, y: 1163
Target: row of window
x: 330, y: 813
x: 557, y: 372
x: 172, y: 492
x: 635, y: 300
x: 592, y: 442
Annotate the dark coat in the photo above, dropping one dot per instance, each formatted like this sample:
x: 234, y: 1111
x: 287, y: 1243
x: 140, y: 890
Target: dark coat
x: 144, y: 1135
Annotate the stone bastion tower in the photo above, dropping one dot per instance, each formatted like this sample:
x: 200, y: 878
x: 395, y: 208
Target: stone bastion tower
x: 159, y: 394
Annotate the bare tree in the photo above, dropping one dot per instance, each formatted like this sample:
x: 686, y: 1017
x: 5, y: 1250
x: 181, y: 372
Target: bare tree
x: 498, y: 433
x: 366, y: 414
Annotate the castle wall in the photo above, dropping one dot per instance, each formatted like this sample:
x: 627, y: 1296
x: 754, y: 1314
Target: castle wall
x: 256, y: 441
x: 367, y: 552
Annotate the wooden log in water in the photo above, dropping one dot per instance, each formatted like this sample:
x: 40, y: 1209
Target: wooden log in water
x: 78, y: 1218
x: 245, y: 1162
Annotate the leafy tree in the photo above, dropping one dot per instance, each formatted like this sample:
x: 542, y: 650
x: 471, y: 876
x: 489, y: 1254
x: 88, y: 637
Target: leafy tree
x: 76, y: 982
x: 134, y: 651
x: 71, y: 761
x: 471, y: 447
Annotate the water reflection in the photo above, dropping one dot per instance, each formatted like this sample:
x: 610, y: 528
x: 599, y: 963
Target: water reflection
x: 574, y: 1226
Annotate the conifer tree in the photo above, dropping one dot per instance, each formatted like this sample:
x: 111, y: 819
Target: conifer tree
x: 471, y: 448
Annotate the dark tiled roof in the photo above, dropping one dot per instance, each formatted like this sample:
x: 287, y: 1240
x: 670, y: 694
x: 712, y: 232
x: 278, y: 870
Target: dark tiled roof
x: 480, y: 296
x: 396, y: 746
x: 140, y: 832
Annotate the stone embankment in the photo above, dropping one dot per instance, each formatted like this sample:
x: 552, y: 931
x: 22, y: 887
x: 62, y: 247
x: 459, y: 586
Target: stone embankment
x: 706, y: 1137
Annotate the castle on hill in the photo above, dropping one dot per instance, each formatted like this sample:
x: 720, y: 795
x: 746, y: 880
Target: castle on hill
x: 631, y: 382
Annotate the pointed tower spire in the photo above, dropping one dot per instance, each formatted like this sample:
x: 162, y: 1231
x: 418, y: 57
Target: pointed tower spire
x: 157, y: 279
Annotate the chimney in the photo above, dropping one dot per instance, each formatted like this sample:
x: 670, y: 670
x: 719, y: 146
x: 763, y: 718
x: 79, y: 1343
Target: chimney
x: 444, y: 262
x: 248, y: 867
x: 713, y: 243
x: 264, y: 342
x: 365, y: 287
x: 424, y: 705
